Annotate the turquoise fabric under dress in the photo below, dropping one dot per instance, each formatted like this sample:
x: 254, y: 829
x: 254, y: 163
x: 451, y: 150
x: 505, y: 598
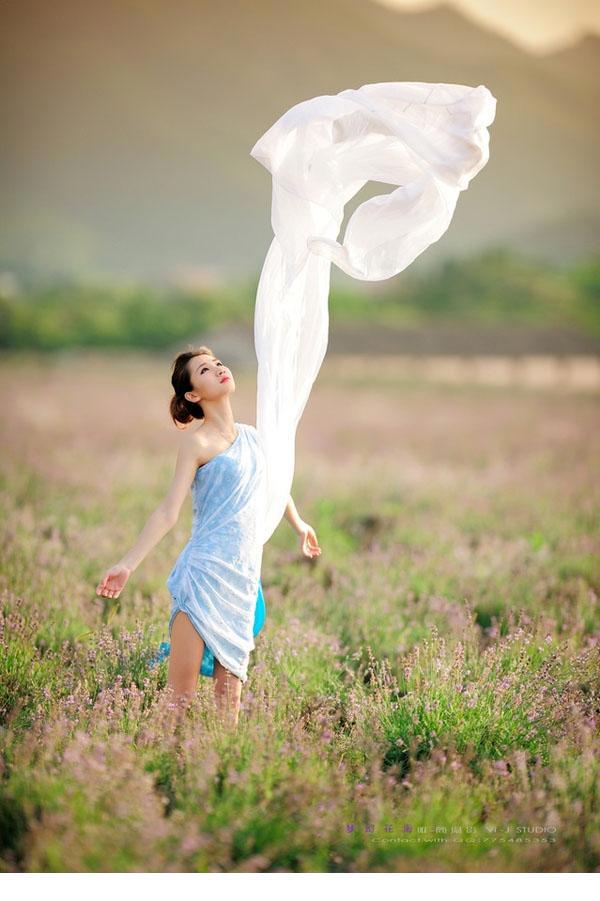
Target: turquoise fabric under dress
x: 215, y: 579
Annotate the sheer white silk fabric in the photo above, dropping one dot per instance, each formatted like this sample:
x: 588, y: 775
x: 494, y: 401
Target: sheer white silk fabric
x: 430, y: 140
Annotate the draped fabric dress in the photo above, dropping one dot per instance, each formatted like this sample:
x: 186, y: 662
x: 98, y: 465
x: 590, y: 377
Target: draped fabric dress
x: 215, y: 579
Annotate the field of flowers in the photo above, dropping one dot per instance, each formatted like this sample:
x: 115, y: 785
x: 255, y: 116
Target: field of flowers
x: 424, y: 695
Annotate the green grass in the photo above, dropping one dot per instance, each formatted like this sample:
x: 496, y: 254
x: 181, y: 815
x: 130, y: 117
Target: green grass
x: 431, y: 678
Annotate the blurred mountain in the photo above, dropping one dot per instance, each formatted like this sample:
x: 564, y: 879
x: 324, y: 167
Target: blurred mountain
x: 128, y: 126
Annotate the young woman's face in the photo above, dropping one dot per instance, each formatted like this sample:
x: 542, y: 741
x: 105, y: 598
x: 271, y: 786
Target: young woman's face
x: 210, y: 377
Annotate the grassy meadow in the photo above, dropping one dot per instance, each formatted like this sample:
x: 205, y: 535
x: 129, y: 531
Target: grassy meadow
x: 424, y: 696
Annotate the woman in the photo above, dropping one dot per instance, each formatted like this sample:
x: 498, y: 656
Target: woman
x: 216, y: 578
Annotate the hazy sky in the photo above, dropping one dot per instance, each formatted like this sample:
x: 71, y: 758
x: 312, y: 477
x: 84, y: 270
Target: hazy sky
x: 538, y: 25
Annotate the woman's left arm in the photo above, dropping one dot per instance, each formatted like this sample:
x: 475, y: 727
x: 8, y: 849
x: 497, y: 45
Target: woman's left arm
x: 308, y: 539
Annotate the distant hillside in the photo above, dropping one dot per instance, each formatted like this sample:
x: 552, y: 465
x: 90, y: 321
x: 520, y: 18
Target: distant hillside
x: 495, y: 302
x: 128, y: 126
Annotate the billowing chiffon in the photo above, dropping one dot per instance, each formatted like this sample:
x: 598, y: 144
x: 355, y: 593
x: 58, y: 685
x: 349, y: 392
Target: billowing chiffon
x: 215, y: 579
x: 430, y: 140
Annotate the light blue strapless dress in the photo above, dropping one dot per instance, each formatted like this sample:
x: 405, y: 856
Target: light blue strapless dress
x: 216, y: 578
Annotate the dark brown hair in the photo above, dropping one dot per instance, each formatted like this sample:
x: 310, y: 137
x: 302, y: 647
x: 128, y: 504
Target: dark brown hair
x: 181, y: 409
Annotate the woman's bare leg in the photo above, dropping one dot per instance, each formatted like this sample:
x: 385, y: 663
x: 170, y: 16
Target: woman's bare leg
x: 187, y: 649
x: 228, y: 691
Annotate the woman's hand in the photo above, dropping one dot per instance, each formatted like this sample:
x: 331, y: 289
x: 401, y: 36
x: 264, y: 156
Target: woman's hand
x: 113, y: 581
x: 308, y: 540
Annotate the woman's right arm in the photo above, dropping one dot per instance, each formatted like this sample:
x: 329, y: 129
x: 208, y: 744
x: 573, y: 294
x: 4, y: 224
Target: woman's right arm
x: 160, y: 521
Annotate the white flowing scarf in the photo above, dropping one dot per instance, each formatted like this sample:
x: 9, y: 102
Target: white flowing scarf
x: 430, y: 139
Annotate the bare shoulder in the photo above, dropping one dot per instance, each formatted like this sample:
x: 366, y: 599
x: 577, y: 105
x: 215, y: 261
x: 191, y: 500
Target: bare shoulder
x: 198, y: 442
